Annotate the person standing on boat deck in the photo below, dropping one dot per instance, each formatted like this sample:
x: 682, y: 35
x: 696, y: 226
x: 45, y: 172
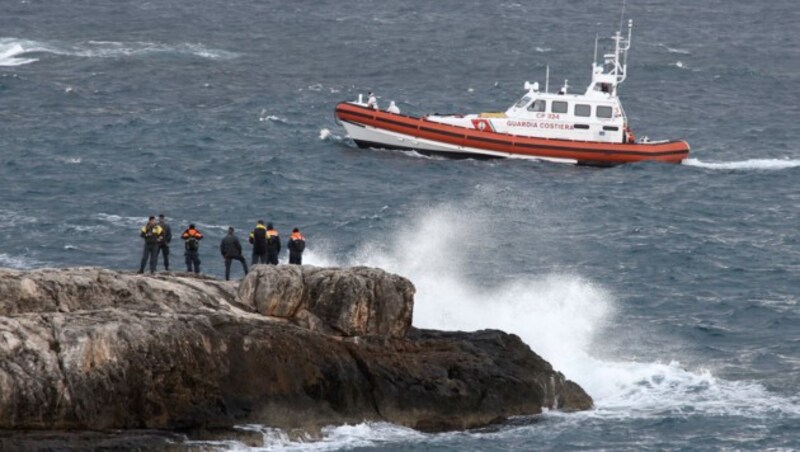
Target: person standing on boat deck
x: 372, y: 101
x: 629, y: 136
x: 296, y: 245
x: 258, y: 238
x: 191, y: 242
x: 273, y: 245
x: 231, y: 249
x: 165, y: 239
x: 151, y: 233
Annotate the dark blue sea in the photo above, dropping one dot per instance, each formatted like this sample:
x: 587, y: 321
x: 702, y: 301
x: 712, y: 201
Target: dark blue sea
x: 669, y: 292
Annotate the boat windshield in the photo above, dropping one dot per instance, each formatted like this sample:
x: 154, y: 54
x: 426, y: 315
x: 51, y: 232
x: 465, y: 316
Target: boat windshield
x: 524, y: 101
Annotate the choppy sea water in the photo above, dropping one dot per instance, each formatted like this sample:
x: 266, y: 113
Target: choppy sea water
x: 670, y: 293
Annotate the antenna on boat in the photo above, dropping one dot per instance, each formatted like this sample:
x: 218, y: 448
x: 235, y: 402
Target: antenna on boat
x: 547, y: 79
x: 622, y: 15
x: 613, y: 68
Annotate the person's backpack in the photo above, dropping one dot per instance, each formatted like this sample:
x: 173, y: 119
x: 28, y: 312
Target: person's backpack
x: 192, y: 244
x: 299, y: 245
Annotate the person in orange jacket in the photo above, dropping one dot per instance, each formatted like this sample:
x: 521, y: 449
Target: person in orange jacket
x: 191, y: 242
x: 273, y: 245
x: 296, y: 245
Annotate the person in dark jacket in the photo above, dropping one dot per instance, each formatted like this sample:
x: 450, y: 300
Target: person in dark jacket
x: 258, y: 238
x: 296, y: 245
x: 273, y: 245
x: 231, y: 249
x: 165, y: 239
x: 191, y: 243
x: 151, y: 233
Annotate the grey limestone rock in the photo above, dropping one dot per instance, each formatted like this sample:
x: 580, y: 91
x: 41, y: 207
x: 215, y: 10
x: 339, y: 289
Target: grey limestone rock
x: 291, y: 347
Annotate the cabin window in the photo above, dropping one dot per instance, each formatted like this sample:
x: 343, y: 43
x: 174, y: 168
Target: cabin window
x: 538, y: 105
x: 559, y: 107
x: 604, y: 112
x: 523, y: 102
x: 583, y: 110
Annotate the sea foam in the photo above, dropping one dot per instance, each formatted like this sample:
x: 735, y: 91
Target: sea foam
x: 562, y: 316
x: 751, y: 164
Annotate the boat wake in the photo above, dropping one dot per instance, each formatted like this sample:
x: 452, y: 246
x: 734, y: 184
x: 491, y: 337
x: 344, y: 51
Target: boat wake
x: 751, y: 164
x: 16, y: 52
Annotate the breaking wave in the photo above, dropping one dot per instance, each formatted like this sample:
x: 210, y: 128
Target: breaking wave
x: 12, y: 51
x: 560, y: 315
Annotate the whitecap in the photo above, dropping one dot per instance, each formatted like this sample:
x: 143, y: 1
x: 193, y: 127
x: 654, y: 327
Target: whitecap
x: 751, y: 164
x: 676, y: 50
x: 118, y: 220
x: 273, y: 118
x: 543, y: 49
x: 327, y: 135
x: 12, y: 52
x: 17, y: 262
x: 11, y: 218
x: 12, y: 48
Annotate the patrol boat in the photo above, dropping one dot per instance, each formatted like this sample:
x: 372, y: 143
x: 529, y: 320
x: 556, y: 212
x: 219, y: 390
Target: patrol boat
x: 587, y: 129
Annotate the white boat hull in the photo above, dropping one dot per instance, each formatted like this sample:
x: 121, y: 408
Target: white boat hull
x: 366, y: 136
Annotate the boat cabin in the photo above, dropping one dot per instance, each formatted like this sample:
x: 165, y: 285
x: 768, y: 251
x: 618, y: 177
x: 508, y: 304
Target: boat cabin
x: 596, y: 115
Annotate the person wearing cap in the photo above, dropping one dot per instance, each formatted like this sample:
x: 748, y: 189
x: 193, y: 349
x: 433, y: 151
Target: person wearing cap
x: 296, y: 245
x: 231, y: 250
x: 273, y: 245
x: 165, y: 239
x: 191, y: 243
x: 151, y: 233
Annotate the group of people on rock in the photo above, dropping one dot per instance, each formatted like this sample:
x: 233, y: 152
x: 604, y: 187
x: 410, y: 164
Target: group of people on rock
x: 265, y: 240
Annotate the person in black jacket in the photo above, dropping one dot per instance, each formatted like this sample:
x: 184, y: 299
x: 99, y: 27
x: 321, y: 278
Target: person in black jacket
x: 273, y: 245
x: 296, y: 245
x: 165, y: 239
x: 231, y: 249
x: 151, y: 233
x: 258, y: 238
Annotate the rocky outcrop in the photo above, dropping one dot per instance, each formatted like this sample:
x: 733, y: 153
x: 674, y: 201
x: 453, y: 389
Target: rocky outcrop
x: 358, y: 302
x: 291, y: 347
